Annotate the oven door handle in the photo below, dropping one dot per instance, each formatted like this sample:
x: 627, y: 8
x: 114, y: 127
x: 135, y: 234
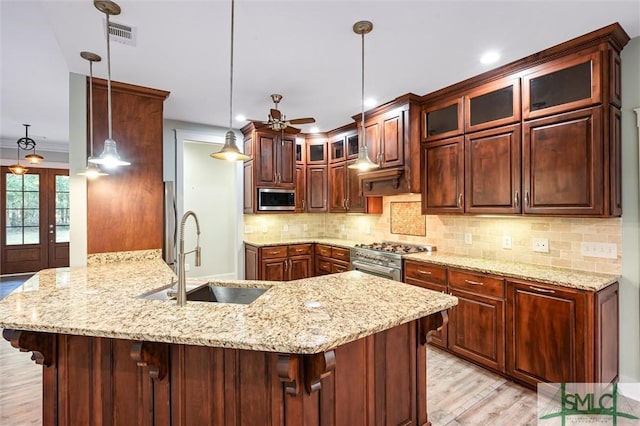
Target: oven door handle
x: 370, y: 267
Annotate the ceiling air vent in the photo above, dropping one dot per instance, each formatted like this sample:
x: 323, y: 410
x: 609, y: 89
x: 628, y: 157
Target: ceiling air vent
x: 122, y: 33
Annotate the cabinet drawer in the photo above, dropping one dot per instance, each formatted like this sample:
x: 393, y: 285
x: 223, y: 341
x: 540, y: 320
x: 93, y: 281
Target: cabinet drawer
x: 476, y: 283
x: 273, y: 252
x: 299, y: 249
x: 426, y: 272
x: 322, y: 250
x: 339, y: 266
x: 323, y: 266
x: 340, y: 253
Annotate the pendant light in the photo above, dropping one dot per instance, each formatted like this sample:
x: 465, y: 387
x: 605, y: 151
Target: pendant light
x: 230, y: 150
x: 363, y: 163
x: 109, y: 157
x: 92, y: 171
x: 26, y: 144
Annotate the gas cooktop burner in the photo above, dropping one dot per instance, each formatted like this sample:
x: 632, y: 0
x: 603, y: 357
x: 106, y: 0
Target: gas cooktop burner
x: 399, y: 248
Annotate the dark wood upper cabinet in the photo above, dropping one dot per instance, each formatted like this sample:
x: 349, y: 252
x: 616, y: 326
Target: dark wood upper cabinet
x: 563, y: 168
x: 492, y: 171
x: 337, y: 150
x: 316, y: 188
x: 442, y: 165
x: 493, y: 104
x: 301, y: 189
x: 562, y: 85
x: 337, y: 189
x: 442, y: 119
x: 300, y: 151
x: 316, y: 151
x: 274, y: 159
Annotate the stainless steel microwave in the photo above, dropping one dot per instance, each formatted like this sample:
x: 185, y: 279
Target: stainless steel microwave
x: 276, y: 199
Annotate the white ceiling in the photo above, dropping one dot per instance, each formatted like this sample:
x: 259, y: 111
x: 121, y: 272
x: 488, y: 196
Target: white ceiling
x: 305, y: 50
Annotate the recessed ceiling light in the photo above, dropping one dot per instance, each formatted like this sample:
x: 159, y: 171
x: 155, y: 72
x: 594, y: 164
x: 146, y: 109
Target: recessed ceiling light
x: 490, y: 57
x: 241, y: 117
x: 314, y: 129
x: 370, y: 102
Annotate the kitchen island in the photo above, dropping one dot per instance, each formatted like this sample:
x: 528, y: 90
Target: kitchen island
x: 342, y: 349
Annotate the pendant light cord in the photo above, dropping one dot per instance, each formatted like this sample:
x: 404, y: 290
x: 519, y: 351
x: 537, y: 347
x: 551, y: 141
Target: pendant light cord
x: 90, y: 108
x: 231, y: 69
x: 362, y: 103
x: 108, y: 77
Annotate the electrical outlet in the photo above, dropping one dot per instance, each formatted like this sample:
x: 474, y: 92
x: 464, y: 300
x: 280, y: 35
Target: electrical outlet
x: 186, y: 267
x: 468, y: 238
x: 367, y: 229
x: 541, y: 245
x: 285, y: 228
x: 248, y: 229
x: 305, y: 227
x: 264, y: 229
x: 604, y: 250
x: 506, y: 242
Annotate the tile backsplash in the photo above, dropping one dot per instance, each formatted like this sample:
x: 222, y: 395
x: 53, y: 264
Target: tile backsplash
x: 447, y: 232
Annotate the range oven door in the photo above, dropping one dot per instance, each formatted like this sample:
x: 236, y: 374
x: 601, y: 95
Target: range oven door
x: 377, y: 270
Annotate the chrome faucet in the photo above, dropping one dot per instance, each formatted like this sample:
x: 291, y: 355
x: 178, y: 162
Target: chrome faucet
x: 182, y: 282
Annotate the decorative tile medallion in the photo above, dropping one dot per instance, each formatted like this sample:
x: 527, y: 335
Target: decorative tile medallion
x: 407, y: 219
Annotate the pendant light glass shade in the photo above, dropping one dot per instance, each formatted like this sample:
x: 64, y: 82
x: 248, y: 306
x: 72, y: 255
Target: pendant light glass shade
x: 363, y: 162
x: 18, y: 169
x: 34, y: 158
x: 230, y: 150
x: 109, y: 157
x: 92, y: 171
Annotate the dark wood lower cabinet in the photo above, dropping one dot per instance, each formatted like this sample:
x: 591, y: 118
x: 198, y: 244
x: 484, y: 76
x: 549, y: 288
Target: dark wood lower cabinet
x: 379, y: 379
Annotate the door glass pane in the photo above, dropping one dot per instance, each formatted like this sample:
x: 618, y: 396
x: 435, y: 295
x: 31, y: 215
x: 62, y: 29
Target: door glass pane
x: 337, y: 150
x: 442, y: 120
x: 561, y: 87
x: 316, y: 153
x: 491, y: 106
x: 298, y: 153
x: 352, y: 145
x: 22, y: 209
x: 62, y: 209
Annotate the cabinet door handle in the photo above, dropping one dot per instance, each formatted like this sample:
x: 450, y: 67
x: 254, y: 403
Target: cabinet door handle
x: 347, y: 204
x: 526, y: 198
x: 516, y: 199
x: 420, y: 271
x: 274, y: 252
x: 344, y: 203
x: 473, y: 282
x: 303, y: 204
x: 460, y: 200
x: 541, y: 290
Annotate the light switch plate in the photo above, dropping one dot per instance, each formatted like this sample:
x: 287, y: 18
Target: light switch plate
x: 468, y: 238
x: 604, y: 250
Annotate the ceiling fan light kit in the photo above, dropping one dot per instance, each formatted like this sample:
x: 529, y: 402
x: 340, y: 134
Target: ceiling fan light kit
x: 363, y: 162
x: 26, y: 144
x: 109, y: 157
x: 92, y: 171
x: 230, y: 150
x: 277, y: 121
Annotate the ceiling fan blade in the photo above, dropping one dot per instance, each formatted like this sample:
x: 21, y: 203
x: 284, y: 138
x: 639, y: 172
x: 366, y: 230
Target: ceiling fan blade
x: 302, y: 120
x: 291, y: 130
x: 275, y: 114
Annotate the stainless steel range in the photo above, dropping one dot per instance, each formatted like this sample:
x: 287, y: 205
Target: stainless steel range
x: 384, y: 259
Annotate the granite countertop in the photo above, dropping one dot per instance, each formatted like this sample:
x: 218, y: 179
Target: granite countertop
x: 556, y: 276
x: 305, y: 316
x: 261, y: 242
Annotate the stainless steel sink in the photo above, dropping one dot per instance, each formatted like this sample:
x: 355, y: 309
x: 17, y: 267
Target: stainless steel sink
x: 208, y: 293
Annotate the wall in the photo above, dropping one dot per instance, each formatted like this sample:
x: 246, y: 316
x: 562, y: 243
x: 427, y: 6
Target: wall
x: 447, y: 234
x: 630, y: 281
x: 77, y: 163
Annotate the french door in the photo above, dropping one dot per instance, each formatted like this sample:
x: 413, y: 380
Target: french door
x: 35, y: 220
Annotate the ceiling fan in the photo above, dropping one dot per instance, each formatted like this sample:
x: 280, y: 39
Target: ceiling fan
x: 278, y: 121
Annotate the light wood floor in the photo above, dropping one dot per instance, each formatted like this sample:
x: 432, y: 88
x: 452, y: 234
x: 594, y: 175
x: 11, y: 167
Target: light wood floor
x: 459, y: 392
